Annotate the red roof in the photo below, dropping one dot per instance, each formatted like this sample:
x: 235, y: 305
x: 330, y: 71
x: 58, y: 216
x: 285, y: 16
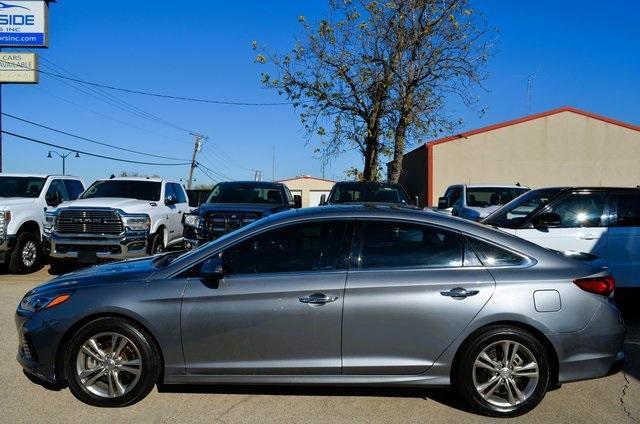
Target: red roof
x: 532, y: 117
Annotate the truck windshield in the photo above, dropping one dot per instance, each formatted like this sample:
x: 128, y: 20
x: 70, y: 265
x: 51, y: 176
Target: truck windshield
x: 481, y: 197
x: 246, y: 193
x: 368, y: 193
x: 21, y: 186
x: 128, y: 189
x: 517, y: 212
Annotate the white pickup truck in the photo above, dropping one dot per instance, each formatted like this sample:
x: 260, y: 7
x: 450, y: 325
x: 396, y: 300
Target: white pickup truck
x: 116, y: 218
x: 24, y: 198
x: 476, y: 201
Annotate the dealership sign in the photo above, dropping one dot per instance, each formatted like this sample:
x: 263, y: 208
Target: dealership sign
x: 18, y: 68
x: 23, y: 23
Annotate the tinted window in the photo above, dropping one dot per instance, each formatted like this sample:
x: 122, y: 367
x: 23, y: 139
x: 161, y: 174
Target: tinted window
x: 492, y: 196
x: 169, y: 191
x: 404, y: 245
x: 128, y: 189
x: 295, y: 248
x: 74, y: 188
x: 368, y: 193
x: 177, y: 188
x: 580, y: 209
x: 21, y: 186
x: 492, y: 255
x: 453, y: 194
x: 520, y: 210
x: 59, y: 187
x: 246, y: 193
x: 628, y: 209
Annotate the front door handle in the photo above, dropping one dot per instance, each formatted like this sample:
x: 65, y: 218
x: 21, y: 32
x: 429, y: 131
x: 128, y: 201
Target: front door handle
x: 459, y: 293
x: 318, y: 299
x: 588, y: 236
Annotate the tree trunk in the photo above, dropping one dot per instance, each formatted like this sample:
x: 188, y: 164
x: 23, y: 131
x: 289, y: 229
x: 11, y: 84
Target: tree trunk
x: 370, y: 172
x: 399, y: 142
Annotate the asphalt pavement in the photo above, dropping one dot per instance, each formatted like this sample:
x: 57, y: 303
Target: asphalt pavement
x: 614, y: 399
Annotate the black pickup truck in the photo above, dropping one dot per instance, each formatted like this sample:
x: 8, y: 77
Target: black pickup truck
x: 362, y: 192
x: 232, y: 205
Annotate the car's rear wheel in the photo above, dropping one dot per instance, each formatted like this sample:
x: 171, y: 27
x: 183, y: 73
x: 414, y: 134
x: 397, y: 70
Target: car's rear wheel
x: 503, y: 372
x: 110, y: 362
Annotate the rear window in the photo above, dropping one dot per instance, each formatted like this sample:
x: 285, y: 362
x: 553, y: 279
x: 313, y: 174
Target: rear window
x: 492, y: 196
x: 628, y: 209
x: 128, y: 189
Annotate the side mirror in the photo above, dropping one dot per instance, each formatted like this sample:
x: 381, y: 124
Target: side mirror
x: 546, y: 220
x: 443, y: 203
x: 170, y: 200
x: 323, y: 200
x: 297, y: 201
x: 54, y: 199
x: 212, y: 269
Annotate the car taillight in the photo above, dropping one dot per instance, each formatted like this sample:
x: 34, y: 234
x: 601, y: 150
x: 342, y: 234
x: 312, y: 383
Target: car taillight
x: 600, y: 285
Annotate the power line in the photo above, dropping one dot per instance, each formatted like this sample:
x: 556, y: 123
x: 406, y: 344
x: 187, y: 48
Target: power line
x: 89, y: 139
x: 22, y: 137
x: 200, y: 165
x: 205, y: 173
x: 151, y: 94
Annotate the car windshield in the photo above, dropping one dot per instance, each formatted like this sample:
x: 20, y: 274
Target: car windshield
x: 246, y: 193
x: 21, y: 186
x: 368, y: 193
x: 513, y: 214
x: 128, y: 189
x: 481, y: 197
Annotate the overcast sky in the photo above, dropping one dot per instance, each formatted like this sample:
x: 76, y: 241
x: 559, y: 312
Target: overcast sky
x: 583, y: 53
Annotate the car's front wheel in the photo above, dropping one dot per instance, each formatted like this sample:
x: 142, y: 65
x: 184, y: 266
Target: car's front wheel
x: 503, y: 372
x: 27, y: 255
x: 111, y: 362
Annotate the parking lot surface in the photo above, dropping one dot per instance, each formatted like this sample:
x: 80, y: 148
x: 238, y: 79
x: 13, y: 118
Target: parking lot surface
x: 612, y: 399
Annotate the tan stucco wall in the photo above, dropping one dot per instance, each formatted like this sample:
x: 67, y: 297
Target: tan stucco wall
x: 306, y: 186
x: 562, y: 149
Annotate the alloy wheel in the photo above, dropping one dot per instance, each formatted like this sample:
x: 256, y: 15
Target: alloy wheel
x: 29, y: 254
x: 505, y: 374
x: 108, y: 365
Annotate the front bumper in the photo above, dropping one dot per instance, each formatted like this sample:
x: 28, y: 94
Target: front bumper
x: 595, y: 351
x: 6, y: 246
x: 84, y: 247
x: 37, y: 345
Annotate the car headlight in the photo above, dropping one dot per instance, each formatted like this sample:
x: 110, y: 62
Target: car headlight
x: 49, y: 222
x: 140, y: 222
x: 192, y: 220
x: 5, y: 217
x: 38, y: 302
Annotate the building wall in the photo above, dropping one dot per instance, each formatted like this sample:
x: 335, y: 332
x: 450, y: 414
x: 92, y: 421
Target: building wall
x: 413, y: 176
x: 560, y: 149
x: 306, y: 185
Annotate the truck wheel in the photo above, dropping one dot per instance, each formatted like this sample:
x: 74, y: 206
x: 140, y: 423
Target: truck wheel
x: 27, y: 254
x: 157, y: 244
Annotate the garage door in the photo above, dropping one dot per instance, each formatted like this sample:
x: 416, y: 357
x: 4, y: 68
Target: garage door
x: 315, y: 195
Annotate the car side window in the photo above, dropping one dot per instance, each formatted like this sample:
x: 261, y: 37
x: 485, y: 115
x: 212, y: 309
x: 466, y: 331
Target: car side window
x: 294, y: 248
x: 580, y: 209
x: 168, y: 191
x: 628, y: 210
x: 491, y: 255
x: 453, y: 194
x: 182, y: 198
x: 57, y: 186
x: 74, y: 188
x: 406, y: 245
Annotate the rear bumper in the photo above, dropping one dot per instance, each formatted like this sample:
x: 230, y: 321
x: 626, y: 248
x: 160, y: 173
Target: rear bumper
x: 595, y: 351
x: 128, y: 245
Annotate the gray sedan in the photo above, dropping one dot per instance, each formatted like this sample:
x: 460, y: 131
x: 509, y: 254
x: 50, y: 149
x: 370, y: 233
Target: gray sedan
x: 351, y: 295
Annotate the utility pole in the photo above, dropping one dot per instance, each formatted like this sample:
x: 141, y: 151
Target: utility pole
x: 199, y: 138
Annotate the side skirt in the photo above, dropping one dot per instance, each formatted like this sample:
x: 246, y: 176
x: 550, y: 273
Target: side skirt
x: 337, y: 380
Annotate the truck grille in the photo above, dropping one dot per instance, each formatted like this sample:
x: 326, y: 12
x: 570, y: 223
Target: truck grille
x: 218, y: 224
x: 88, y: 222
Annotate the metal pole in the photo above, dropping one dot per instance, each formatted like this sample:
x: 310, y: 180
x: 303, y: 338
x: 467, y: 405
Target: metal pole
x: 64, y: 158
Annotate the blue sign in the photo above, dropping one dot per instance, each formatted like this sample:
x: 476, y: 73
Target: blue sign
x: 23, y: 23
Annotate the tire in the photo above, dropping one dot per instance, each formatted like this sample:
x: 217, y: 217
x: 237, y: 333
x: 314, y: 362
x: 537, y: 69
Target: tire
x: 157, y: 244
x: 135, y: 364
x: 27, y: 255
x: 59, y: 266
x: 496, y: 401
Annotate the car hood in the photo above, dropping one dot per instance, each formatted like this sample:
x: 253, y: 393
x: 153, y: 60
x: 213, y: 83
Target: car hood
x: 127, y: 205
x: 259, y: 208
x: 6, y: 202
x: 109, y: 273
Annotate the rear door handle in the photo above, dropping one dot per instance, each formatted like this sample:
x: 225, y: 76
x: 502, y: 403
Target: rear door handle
x: 588, y: 236
x: 318, y: 299
x: 459, y: 293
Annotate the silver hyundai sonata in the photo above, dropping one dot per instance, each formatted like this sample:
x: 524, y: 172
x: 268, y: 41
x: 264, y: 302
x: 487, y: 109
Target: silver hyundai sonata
x: 353, y: 295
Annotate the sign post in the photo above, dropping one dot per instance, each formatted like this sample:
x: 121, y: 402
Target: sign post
x: 23, y: 23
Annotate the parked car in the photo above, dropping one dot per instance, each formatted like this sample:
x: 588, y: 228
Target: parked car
x: 476, y: 201
x: 116, y: 218
x: 23, y: 201
x: 359, y: 192
x: 232, y: 205
x: 601, y: 221
x: 366, y: 295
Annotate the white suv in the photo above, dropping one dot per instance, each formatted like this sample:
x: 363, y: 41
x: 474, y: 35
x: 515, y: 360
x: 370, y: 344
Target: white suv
x: 601, y: 221
x: 477, y: 201
x: 116, y: 218
x: 23, y: 201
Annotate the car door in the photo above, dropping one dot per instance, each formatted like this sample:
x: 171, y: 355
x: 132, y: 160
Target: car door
x: 404, y: 301
x: 278, y: 309
x: 623, y: 249
x: 584, y: 218
x: 176, y: 210
x: 56, y: 193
